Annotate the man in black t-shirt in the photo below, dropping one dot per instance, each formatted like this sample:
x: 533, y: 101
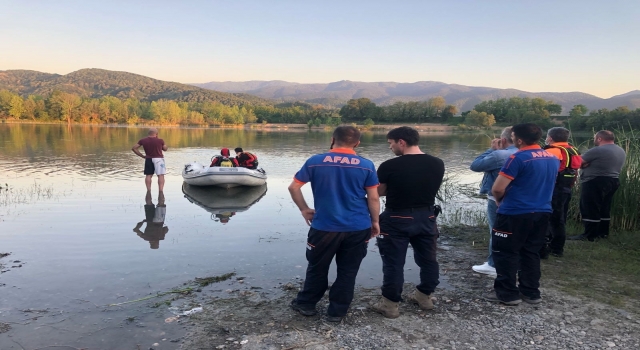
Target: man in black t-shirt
x: 410, y: 183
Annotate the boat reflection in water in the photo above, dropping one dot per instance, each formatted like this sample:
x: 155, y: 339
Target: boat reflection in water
x: 224, y: 203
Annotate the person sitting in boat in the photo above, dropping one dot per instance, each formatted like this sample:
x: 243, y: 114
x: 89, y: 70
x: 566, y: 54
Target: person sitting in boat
x: 224, y: 159
x: 246, y: 159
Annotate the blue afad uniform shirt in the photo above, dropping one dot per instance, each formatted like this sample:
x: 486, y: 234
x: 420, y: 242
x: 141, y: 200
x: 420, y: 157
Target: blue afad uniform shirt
x: 339, y: 180
x: 533, y: 173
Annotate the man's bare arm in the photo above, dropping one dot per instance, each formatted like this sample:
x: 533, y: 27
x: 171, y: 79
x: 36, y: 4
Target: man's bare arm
x: 373, y: 202
x: 499, y: 188
x: 382, y: 190
x: 295, y: 189
x: 136, y: 150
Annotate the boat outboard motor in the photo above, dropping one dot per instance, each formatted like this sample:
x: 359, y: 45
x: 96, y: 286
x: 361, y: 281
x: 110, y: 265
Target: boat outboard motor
x: 193, y: 168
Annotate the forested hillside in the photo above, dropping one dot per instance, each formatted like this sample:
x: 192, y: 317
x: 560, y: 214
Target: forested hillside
x: 96, y: 83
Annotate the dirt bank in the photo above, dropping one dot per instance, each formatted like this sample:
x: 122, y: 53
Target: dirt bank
x: 461, y: 319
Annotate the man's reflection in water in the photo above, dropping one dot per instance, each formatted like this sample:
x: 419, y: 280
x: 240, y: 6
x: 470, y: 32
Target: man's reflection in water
x: 155, y: 230
x: 225, y: 216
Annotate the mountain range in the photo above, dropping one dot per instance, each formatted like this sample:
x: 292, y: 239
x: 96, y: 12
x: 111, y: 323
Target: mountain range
x: 385, y: 93
x: 96, y: 83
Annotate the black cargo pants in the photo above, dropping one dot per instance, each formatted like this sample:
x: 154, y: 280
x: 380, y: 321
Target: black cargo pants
x: 398, y: 229
x: 349, y: 248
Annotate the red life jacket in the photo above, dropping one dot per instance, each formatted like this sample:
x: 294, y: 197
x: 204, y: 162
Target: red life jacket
x: 248, y: 160
x: 569, y: 164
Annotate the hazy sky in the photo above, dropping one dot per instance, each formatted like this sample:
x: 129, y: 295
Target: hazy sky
x: 560, y: 45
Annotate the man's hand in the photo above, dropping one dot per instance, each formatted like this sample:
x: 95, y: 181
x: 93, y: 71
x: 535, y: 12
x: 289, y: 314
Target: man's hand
x: 136, y: 150
x: 496, y: 144
x: 375, y: 229
x: 308, y: 214
x: 298, y: 199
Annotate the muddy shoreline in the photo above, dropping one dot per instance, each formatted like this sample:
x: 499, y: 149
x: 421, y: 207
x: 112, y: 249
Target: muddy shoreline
x: 461, y: 320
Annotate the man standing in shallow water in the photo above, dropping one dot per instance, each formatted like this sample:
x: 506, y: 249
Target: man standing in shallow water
x: 153, y: 158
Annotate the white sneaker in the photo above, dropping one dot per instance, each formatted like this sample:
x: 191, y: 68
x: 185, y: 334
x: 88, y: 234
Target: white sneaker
x: 485, y: 269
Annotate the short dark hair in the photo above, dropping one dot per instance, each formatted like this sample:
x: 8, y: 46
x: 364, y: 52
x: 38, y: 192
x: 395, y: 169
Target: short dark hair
x: 346, y: 136
x: 558, y: 134
x: 606, y: 135
x: 529, y: 133
x: 406, y: 133
x: 238, y: 150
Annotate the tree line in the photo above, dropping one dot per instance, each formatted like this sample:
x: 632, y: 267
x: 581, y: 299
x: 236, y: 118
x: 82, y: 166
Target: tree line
x: 433, y: 110
x: 72, y: 108
x: 601, y: 119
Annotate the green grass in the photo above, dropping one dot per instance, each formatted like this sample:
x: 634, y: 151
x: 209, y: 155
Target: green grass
x: 607, y: 270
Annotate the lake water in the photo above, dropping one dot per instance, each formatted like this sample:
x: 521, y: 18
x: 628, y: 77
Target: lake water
x: 72, y: 220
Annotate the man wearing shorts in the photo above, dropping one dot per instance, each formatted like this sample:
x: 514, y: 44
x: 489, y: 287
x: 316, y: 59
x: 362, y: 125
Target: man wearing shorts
x: 155, y: 230
x: 153, y: 158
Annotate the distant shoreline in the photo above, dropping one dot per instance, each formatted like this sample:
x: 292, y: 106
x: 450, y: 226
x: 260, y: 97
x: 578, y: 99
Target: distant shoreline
x: 422, y: 127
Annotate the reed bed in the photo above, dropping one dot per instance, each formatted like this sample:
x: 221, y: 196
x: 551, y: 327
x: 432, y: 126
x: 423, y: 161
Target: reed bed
x: 11, y: 196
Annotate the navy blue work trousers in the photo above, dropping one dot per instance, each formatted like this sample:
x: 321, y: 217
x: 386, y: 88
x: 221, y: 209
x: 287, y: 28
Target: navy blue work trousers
x: 596, y: 198
x: 557, y: 233
x: 349, y: 248
x: 517, y: 240
x: 398, y: 229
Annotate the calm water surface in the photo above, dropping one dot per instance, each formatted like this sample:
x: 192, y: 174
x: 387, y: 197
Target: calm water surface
x: 73, y: 216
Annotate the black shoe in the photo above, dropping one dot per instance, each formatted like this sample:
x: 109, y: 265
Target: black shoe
x: 581, y: 237
x: 335, y: 319
x: 528, y: 300
x: 557, y: 254
x: 493, y: 297
x: 303, y: 310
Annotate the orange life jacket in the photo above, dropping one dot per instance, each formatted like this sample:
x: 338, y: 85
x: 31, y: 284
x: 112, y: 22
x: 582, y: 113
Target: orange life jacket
x: 569, y: 164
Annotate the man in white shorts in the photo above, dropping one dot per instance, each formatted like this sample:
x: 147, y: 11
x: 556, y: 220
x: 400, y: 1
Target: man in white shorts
x: 154, y: 159
x: 155, y: 230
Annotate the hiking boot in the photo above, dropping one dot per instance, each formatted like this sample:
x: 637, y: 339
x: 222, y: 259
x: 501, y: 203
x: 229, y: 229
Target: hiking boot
x: 305, y: 310
x: 485, y: 269
x: 335, y: 319
x: 386, y: 307
x: 423, y: 300
x: 493, y: 297
x: 528, y: 300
